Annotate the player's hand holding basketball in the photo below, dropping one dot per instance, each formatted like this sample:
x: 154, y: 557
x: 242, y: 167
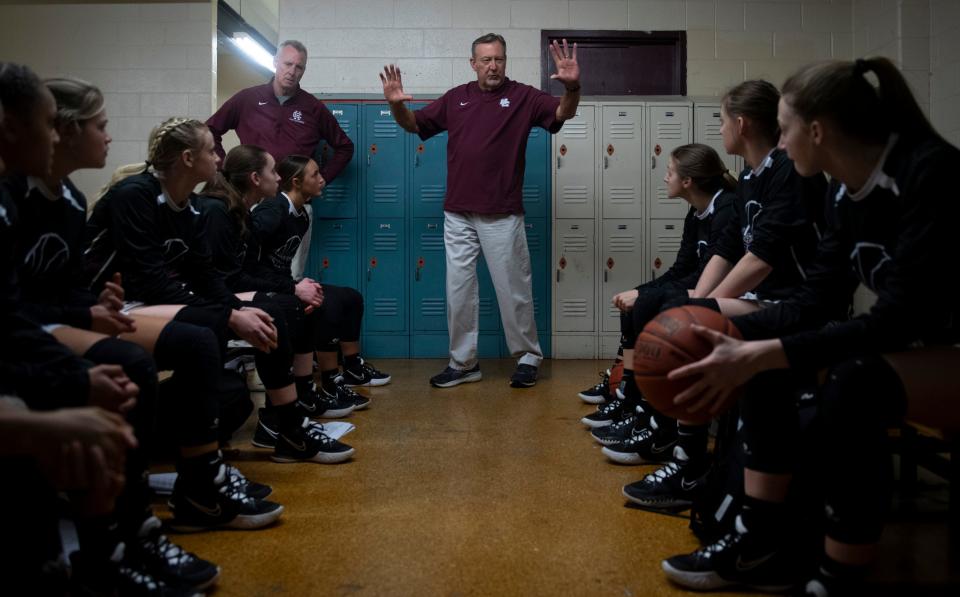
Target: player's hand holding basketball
x: 729, y: 365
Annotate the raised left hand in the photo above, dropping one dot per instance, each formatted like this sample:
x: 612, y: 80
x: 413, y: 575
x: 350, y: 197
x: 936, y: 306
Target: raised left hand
x: 568, y: 71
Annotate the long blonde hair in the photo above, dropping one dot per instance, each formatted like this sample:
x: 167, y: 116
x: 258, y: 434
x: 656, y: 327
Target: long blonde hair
x: 167, y: 141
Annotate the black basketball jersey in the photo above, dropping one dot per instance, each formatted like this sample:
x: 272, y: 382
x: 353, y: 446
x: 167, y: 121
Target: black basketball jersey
x: 235, y: 250
x: 156, y: 246
x: 50, y: 252
x: 780, y: 217
x: 280, y: 230
x: 701, y: 233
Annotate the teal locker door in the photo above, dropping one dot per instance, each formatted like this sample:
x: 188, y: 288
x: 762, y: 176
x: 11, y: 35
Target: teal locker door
x: 536, y: 229
x: 385, y: 288
x: 334, y: 253
x: 429, y: 159
x: 340, y: 197
x: 383, y: 150
x: 429, y: 292
x: 536, y: 174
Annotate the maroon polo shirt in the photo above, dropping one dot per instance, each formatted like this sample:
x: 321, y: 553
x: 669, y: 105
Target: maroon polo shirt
x: 295, y: 127
x: 487, y: 142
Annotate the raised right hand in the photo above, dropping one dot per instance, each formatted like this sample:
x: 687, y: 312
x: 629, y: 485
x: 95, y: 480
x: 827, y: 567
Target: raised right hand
x: 393, y: 85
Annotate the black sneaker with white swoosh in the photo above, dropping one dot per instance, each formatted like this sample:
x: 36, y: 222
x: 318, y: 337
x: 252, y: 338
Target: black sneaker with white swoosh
x: 670, y: 487
x: 309, y: 444
x: 203, y: 504
x: 365, y: 375
x: 739, y: 559
x: 646, y: 445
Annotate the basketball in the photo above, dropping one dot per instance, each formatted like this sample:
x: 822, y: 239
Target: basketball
x: 666, y: 343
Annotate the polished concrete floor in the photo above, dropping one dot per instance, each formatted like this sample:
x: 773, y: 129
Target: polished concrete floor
x: 476, y: 490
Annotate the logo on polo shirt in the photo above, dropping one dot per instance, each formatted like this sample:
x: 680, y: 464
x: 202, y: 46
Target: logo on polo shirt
x: 504, y: 102
x: 297, y: 116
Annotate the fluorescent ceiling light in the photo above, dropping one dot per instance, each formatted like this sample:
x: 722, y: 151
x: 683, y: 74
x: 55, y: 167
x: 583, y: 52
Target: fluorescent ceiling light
x: 253, y: 50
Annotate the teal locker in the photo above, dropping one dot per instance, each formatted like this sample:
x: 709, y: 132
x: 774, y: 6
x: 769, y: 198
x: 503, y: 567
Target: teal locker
x: 335, y: 253
x: 340, y: 197
x: 383, y: 151
x: 384, y: 283
x: 536, y: 198
x: 428, y: 289
x: 429, y: 173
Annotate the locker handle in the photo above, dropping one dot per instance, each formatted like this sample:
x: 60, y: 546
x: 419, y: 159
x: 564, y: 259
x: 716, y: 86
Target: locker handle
x: 369, y: 158
x: 653, y: 162
x: 605, y: 275
x: 369, y: 274
x: 559, y: 162
x: 416, y: 160
x: 558, y: 276
x: 417, y: 275
x: 606, y: 162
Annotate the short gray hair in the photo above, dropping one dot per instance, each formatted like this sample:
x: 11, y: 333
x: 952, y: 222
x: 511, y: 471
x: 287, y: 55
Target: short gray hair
x: 296, y: 45
x: 489, y: 38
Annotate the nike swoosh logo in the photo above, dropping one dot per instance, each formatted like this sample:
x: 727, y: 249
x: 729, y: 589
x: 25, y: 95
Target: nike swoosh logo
x: 262, y: 103
x: 744, y: 565
x: 307, y: 407
x: 660, y: 449
x: 464, y: 103
x: 215, y: 512
x: 688, y: 486
x: 302, y: 447
x: 269, y: 431
x: 354, y: 375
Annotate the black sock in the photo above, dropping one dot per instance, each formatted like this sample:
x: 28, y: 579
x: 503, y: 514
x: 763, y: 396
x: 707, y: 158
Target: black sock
x: 762, y: 517
x: 838, y: 577
x: 304, y: 385
x: 328, y: 380
x: 352, y: 361
x: 289, y: 416
x: 200, y: 469
x: 692, y: 439
x: 631, y: 393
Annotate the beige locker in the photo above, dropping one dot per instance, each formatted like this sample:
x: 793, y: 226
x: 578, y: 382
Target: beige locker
x: 669, y: 126
x: 706, y: 130
x: 574, y: 276
x: 665, y: 239
x: 621, y: 155
x: 574, y: 166
x: 621, y: 264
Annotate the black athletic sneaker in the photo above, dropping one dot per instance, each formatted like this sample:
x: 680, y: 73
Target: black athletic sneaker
x: 600, y: 393
x: 218, y: 504
x: 257, y: 491
x: 309, y: 444
x: 266, y: 433
x: 649, y: 444
x: 620, y: 431
x: 525, y: 376
x: 152, y: 555
x: 608, y: 414
x: 450, y: 377
x: 365, y: 375
x: 138, y: 583
x: 323, y: 405
x: 346, y: 394
x: 738, y: 559
x: 670, y: 487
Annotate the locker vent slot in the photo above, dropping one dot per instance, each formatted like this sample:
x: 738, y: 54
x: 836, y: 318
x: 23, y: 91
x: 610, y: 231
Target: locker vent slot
x: 668, y: 246
x: 531, y: 193
x: 574, y: 194
x: 335, y: 192
x: 432, y: 193
x: 336, y: 241
x: 620, y: 243
x: 385, y: 241
x: 386, y: 193
x: 669, y: 131
x: 536, y: 306
x: 486, y: 306
x: 536, y: 133
x: 574, y: 130
x: 623, y: 195
x: 613, y: 313
x: 573, y: 308
x: 534, y: 242
x: 433, y: 307
x: 574, y: 243
x: 622, y: 130
x: 431, y: 241
x: 385, y: 129
x: 346, y: 124
x: 712, y: 131
x: 386, y: 307
x: 662, y: 194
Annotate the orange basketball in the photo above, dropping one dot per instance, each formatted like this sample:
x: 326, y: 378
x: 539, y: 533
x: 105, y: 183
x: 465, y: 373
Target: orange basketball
x: 667, y: 342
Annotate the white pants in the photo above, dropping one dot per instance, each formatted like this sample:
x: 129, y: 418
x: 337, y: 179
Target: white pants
x: 503, y: 241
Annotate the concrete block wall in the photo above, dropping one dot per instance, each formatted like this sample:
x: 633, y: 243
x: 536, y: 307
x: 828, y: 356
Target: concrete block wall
x: 945, y: 68
x: 728, y: 40
x: 151, y: 61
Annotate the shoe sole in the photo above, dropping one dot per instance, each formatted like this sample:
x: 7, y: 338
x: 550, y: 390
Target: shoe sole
x: 709, y: 581
x: 623, y: 457
x: 468, y: 378
x: 522, y: 384
x: 336, y: 413
x: 596, y: 424
x: 321, y: 457
x: 243, y: 522
x: 373, y: 383
x: 362, y: 406
x: 669, y: 506
x: 607, y: 441
x: 257, y: 444
x: 588, y: 399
